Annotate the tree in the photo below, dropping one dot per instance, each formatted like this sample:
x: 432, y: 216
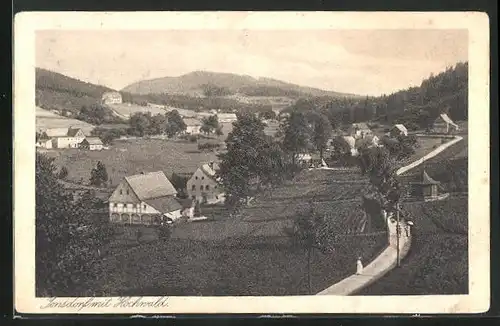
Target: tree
x: 210, y: 124
x: 380, y: 167
x: 175, y: 124
x: 321, y: 131
x: 310, y: 232
x: 157, y: 124
x: 63, y: 173
x: 219, y: 131
x: 296, y: 134
x: 267, y: 114
x: 67, y: 240
x: 140, y: 123
x: 240, y: 166
x: 99, y: 175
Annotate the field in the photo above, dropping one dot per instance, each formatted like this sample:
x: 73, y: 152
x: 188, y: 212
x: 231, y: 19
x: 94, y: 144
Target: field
x: 438, y: 259
x: 247, y: 254
x: 125, y: 110
x: 46, y: 119
x: 128, y: 157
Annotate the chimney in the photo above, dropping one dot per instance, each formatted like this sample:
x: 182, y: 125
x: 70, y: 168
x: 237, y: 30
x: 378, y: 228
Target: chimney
x: 211, y: 164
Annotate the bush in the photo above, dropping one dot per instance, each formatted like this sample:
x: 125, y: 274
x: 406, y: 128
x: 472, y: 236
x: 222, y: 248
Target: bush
x: 208, y: 146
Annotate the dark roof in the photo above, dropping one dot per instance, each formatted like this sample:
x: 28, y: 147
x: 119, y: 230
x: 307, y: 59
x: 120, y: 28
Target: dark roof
x: 426, y: 180
x: 164, y: 204
x: 151, y: 185
x: 93, y: 140
x: 73, y: 131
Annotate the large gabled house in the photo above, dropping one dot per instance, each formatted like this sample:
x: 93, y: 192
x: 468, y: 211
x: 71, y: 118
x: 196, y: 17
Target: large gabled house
x: 61, y: 138
x: 146, y: 198
x: 203, y: 186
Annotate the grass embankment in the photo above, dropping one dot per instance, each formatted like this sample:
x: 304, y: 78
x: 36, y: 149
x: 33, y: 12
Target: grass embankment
x: 438, y: 259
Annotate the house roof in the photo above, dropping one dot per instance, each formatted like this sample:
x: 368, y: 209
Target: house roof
x: 226, y: 116
x: 350, y: 140
x: 447, y: 119
x: 210, y: 171
x: 93, y: 140
x: 360, y: 126
x: 73, y: 131
x: 192, y: 122
x: 56, y: 132
x: 401, y: 127
x: 427, y: 180
x: 151, y: 185
x: 164, y: 204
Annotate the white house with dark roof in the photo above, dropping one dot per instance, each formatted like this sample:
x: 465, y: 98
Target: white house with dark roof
x: 145, y: 198
x: 203, y: 186
x: 193, y: 126
x: 62, y: 137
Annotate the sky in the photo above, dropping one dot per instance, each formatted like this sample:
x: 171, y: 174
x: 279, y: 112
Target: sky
x: 364, y: 62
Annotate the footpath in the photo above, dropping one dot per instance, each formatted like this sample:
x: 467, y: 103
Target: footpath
x: 387, y: 260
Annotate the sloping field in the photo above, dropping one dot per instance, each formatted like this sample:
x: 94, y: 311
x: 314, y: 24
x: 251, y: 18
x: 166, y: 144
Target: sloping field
x: 46, y: 119
x: 132, y: 157
x: 125, y: 110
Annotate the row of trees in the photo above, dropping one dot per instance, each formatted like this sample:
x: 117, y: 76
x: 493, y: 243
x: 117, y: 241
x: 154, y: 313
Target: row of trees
x: 415, y: 107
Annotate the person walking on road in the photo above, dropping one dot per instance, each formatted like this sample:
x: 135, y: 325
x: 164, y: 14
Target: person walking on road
x: 359, y: 266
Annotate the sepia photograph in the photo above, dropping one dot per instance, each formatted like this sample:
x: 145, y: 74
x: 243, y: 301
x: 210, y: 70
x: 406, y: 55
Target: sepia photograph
x: 236, y: 161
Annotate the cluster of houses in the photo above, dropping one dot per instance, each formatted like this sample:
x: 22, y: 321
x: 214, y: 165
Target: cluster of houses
x: 360, y: 135
x: 150, y: 198
x: 61, y: 138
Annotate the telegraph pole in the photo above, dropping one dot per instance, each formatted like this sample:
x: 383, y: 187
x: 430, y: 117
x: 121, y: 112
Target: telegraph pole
x: 398, y: 234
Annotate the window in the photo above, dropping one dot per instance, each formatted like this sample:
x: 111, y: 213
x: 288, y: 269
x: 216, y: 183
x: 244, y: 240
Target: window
x: 115, y: 205
x: 201, y: 187
x: 138, y: 206
x: 121, y: 192
x: 207, y: 187
x: 215, y: 187
x: 196, y: 178
x: 193, y: 187
x: 202, y: 178
x: 144, y: 206
x: 216, y: 197
x: 127, y: 192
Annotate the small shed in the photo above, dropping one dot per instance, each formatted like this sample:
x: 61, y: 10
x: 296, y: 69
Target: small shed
x: 92, y: 143
x: 398, y: 130
x: 426, y: 188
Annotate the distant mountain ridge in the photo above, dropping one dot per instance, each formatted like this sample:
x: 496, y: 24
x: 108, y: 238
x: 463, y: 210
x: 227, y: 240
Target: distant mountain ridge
x: 196, y: 82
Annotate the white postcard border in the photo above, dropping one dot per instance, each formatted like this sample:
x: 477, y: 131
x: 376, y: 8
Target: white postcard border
x: 478, y: 299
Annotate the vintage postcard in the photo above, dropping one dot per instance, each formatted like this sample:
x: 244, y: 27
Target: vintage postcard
x: 242, y: 162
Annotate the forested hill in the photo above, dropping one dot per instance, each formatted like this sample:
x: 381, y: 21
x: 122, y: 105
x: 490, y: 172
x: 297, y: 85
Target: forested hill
x: 415, y: 106
x: 215, y: 83
x: 57, y: 91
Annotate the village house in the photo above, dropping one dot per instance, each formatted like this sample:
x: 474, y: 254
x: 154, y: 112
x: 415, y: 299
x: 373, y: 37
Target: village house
x: 227, y: 117
x: 444, y: 125
x: 92, y: 144
x: 398, y: 130
x: 61, y: 138
x: 111, y: 98
x: 359, y: 130
x: 146, y: 198
x: 203, y: 187
x: 193, y: 126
